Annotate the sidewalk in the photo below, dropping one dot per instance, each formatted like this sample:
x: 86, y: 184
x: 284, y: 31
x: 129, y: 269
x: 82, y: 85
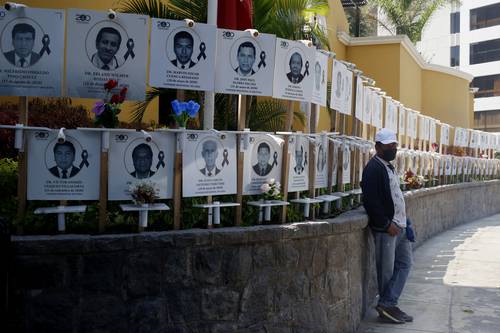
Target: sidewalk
x: 454, y: 286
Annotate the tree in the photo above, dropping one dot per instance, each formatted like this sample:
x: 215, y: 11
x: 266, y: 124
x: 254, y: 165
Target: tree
x: 408, y: 17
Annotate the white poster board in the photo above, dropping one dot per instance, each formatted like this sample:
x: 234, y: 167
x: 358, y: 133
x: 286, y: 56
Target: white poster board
x: 346, y: 164
x: 208, y: 163
x: 182, y: 57
x: 445, y: 135
x: 432, y: 130
x: 321, y: 161
x: 367, y: 105
x: 402, y: 120
x: 358, y: 110
x: 320, y: 79
x: 293, y: 74
x: 411, y: 118
x: 391, y: 117
x: 66, y: 170
x: 341, y: 94
x: 32, y: 44
x: 335, y: 162
x: 245, y: 64
x: 99, y: 49
x: 262, y: 161
x: 377, y: 110
x: 133, y: 159
x: 298, y: 173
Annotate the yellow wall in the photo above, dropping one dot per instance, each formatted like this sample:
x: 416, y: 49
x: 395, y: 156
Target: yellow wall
x: 447, y: 98
x: 410, y: 81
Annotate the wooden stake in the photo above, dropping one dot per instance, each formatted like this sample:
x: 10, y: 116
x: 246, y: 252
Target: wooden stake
x: 285, y: 162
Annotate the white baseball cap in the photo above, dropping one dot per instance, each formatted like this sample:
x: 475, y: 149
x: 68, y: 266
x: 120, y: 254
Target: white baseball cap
x: 386, y: 136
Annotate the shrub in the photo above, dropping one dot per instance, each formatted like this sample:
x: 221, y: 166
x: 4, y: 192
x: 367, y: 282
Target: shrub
x: 8, y: 184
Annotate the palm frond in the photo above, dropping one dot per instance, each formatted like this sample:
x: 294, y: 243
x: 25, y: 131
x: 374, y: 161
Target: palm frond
x: 270, y: 116
x: 173, y: 9
x: 139, y: 108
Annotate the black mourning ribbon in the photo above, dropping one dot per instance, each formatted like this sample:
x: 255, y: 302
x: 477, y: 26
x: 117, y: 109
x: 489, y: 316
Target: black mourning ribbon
x: 306, y: 73
x: 225, y: 155
x: 130, y: 49
x: 305, y: 158
x: 275, y: 159
x: 203, y: 47
x: 45, y: 42
x: 161, y: 157
x: 85, y: 156
x: 262, y: 59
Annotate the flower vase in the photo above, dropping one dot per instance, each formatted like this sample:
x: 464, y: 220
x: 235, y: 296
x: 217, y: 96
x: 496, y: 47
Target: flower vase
x: 267, y: 211
x: 143, y: 216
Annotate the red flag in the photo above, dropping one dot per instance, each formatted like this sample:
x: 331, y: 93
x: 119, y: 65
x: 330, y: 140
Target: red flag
x: 234, y: 14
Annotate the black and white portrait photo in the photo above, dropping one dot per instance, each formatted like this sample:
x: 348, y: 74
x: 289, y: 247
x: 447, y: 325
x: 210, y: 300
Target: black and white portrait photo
x: 100, y: 49
x: 107, y: 44
x: 32, y: 46
x: 262, y: 161
x: 63, y: 169
x: 64, y: 158
x: 182, y: 56
x: 294, y: 74
x: 134, y: 159
x: 341, y: 94
x: 321, y: 179
x: 346, y: 164
x: 320, y: 79
x: 209, y: 164
x: 298, y: 147
x: 245, y: 63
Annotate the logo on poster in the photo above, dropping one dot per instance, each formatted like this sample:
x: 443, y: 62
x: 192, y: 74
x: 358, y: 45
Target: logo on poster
x: 121, y: 138
x: 82, y: 18
x: 227, y: 34
x: 284, y: 44
x: 2, y: 14
x: 192, y: 136
x: 163, y: 25
x: 42, y: 135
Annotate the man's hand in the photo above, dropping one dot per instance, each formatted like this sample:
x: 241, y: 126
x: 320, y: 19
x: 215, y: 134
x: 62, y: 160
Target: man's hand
x: 393, y: 229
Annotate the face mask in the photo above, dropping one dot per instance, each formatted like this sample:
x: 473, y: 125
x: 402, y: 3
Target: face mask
x: 389, y: 154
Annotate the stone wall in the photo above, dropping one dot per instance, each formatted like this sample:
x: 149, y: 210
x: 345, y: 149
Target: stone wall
x: 301, y: 277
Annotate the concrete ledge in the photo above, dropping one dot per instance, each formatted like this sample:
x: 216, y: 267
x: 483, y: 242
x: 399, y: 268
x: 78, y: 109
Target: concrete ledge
x: 301, y: 277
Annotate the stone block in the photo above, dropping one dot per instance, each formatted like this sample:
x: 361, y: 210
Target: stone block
x: 143, y: 274
x: 147, y: 315
x: 219, y: 303
x: 102, y: 313
x: 103, y: 272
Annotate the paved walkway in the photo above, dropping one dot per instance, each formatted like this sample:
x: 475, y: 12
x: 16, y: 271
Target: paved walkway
x: 455, y: 283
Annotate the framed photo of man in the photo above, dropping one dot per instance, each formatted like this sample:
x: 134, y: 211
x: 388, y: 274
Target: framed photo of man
x: 320, y: 79
x: 32, y: 46
x: 209, y: 164
x: 321, y: 162
x: 99, y: 49
x: 341, y: 93
x: 346, y: 164
x: 262, y: 162
x: 245, y: 64
x: 63, y: 169
x: 293, y: 74
x: 182, y: 57
x: 298, y: 173
x: 134, y: 159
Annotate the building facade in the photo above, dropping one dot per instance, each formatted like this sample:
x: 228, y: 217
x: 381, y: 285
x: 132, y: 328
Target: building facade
x: 467, y: 37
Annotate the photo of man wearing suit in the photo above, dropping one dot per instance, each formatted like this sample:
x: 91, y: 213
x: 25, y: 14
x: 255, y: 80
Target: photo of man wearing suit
x: 246, y: 59
x: 183, y: 49
x: 64, y: 156
x: 107, y: 43
x: 209, y: 153
x: 23, y: 39
x: 299, y: 157
x: 295, y: 63
x: 262, y: 168
x: 142, y: 157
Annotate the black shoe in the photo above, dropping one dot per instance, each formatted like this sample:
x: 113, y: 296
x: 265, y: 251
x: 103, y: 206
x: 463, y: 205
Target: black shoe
x: 389, y: 314
x: 407, y: 318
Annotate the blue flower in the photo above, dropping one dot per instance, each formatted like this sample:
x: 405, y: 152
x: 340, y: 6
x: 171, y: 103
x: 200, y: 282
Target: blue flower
x: 176, y: 106
x: 192, y: 108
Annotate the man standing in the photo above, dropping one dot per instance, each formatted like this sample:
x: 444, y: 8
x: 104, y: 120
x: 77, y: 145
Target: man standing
x: 107, y: 43
x: 385, y: 206
x: 295, y: 63
x: 183, y: 49
x: 142, y: 157
x: 64, y: 156
x: 209, y: 153
x: 299, y: 157
x: 246, y: 59
x: 23, y: 39
x: 262, y: 168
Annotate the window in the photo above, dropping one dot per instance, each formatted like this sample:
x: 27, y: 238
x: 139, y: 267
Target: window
x: 484, y: 17
x: 489, y: 86
x: 486, y: 51
x: 454, y: 56
x: 455, y: 22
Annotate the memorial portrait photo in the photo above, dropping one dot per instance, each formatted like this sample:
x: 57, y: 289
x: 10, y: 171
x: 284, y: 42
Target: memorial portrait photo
x: 321, y: 146
x: 298, y: 148
x: 134, y: 159
x: 320, y: 80
x: 209, y: 164
x: 182, y: 56
x: 299, y: 159
x: 63, y: 169
x: 262, y: 161
x: 99, y: 49
x: 295, y: 63
x: 32, y: 47
x: 245, y: 63
x: 341, y: 94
